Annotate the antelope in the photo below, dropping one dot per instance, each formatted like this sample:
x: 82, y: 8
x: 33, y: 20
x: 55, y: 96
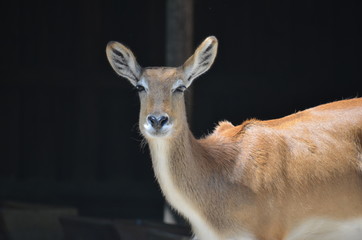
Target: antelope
x: 297, y: 177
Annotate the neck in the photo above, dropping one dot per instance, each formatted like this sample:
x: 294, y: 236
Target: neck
x: 176, y: 168
x: 190, y: 174
x: 172, y: 153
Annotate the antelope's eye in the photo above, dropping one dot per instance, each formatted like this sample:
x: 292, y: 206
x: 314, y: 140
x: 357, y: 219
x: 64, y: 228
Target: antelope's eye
x: 181, y: 89
x: 140, y: 88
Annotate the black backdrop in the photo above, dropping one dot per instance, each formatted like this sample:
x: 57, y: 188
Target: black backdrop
x: 69, y: 124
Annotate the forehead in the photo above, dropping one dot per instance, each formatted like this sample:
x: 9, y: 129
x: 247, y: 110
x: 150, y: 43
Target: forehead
x: 161, y: 74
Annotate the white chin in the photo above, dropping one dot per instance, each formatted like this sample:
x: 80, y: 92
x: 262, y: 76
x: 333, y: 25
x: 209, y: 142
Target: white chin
x: 149, y: 131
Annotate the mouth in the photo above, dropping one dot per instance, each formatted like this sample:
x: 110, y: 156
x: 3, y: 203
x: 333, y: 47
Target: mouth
x: 164, y: 131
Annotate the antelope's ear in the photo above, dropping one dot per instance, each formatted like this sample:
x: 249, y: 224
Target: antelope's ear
x: 202, y: 59
x: 123, y: 62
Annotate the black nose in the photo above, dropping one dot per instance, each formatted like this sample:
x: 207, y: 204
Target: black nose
x: 157, y: 121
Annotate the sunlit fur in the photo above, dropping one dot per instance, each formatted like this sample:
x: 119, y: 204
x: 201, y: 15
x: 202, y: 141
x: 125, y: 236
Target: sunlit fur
x: 297, y: 177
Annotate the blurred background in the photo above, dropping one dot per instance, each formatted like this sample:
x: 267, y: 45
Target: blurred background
x: 68, y: 123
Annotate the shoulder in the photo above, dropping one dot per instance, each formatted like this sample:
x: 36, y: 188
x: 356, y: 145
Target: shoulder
x: 228, y: 130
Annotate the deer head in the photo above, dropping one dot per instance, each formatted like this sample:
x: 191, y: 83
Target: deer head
x: 161, y: 89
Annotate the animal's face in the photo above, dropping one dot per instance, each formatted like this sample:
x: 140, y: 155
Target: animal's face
x: 161, y: 92
x: 161, y: 89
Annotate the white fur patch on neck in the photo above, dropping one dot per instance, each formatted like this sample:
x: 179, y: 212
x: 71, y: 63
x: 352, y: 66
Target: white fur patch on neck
x: 160, y: 151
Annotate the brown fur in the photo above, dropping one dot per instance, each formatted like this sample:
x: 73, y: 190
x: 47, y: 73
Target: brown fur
x: 261, y: 177
x: 271, y: 175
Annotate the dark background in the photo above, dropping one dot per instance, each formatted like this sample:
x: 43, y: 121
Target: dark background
x: 68, y: 124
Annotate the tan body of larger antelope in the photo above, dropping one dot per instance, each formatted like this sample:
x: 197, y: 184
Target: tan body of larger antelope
x: 297, y: 177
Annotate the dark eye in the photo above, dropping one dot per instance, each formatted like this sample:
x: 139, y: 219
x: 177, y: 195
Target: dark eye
x: 180, y: 89
x: 140, y: 88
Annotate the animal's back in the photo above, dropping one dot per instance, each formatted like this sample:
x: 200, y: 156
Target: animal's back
x: 301, y: 167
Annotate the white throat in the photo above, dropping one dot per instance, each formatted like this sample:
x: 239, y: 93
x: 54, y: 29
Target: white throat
x: 160, y: 150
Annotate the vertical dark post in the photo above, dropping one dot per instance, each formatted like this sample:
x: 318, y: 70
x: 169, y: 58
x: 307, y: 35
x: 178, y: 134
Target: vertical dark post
x: 179, y: 39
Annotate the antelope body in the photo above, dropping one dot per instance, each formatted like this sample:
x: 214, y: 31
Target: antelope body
x: 297, y: 177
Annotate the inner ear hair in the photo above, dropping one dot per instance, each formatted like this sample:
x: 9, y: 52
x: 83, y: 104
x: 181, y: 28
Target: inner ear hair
x: 202, y: 59
x: 123, y: 62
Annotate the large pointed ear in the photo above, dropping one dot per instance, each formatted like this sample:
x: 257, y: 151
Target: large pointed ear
x: 202, y: 59
x: 123, y: 62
